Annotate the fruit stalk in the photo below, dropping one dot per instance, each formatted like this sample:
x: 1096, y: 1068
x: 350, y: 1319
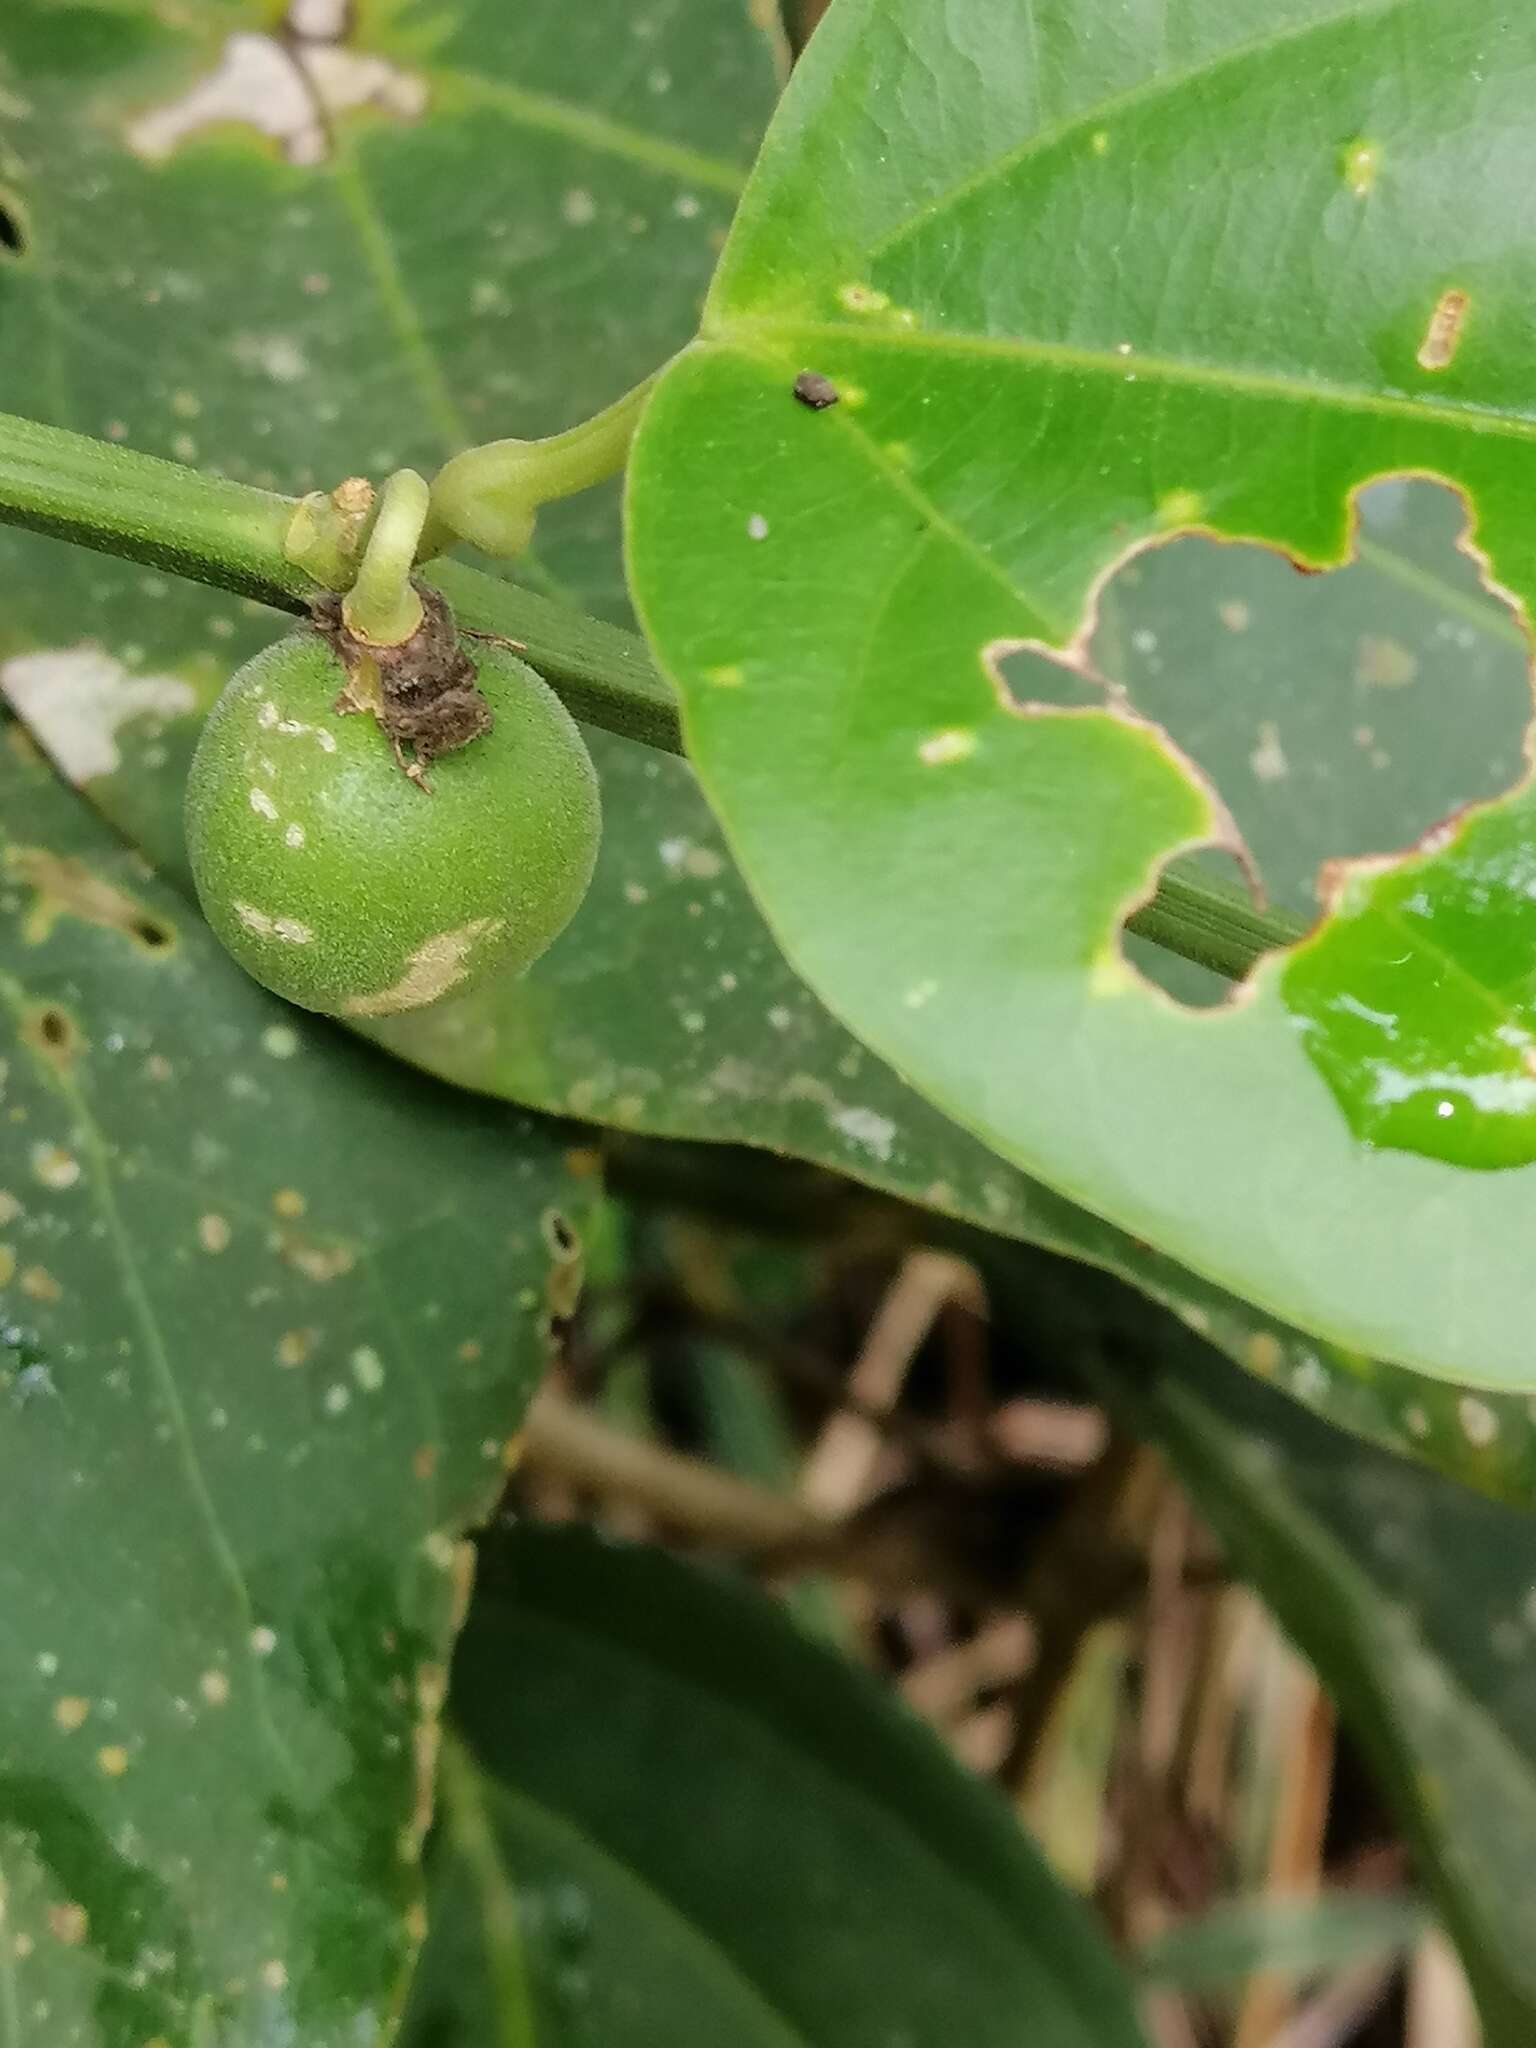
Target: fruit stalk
x: 381, y: 607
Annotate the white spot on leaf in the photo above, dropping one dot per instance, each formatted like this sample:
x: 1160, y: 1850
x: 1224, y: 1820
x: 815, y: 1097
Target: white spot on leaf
x: 55, y: 1167
x: 288, y: 95
x: 1268, y: 760
x: 279, y: 356
x: 1480, y: 1425
x: 75, y: 700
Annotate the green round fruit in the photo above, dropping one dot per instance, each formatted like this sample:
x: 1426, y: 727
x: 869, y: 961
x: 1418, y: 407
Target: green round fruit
x: 341, y: 884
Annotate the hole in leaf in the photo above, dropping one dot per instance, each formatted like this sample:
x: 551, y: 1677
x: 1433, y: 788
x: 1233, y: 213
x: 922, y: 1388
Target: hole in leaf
x: 559, y: 1236
x: 1195, y: 986
x: 1339, y: 714
x: 151, y: 934
x: 14, y: 237
x: 51, y: 1031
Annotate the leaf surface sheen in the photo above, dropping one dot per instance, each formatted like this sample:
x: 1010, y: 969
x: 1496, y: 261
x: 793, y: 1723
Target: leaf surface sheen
x: 1083, y: 284
x: 269, y: 1312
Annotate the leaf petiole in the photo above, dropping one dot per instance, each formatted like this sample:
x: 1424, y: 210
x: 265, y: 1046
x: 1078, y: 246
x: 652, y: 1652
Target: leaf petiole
x: 490, y: 495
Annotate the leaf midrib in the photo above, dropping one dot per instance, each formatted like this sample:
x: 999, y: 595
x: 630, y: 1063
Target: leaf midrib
x: 1061, y: 355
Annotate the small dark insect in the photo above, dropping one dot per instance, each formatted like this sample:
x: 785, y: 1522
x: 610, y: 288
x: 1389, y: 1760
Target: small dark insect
x: 814, y: 390
x: 428, y: 699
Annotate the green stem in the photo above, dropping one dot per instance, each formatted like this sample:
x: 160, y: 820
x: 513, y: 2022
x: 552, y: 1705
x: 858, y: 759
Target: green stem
x: 381, y: 607
x: 124, y: 503
x: 490, y: 495
x: 233, y: 536
x: 1214, y: 927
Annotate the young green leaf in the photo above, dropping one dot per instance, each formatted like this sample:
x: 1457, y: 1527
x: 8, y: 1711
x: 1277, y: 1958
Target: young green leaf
x: 1077, y: 292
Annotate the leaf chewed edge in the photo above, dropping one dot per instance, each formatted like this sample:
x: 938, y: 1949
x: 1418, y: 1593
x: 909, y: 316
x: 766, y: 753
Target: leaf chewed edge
x: 1014, y: 418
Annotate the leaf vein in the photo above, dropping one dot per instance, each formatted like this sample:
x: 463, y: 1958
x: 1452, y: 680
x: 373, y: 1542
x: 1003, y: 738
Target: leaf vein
x: 1158, y: 86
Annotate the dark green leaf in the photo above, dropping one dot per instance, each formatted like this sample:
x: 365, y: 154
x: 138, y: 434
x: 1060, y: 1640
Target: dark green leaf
x: 268, y: 1312
x: 720, y: 1832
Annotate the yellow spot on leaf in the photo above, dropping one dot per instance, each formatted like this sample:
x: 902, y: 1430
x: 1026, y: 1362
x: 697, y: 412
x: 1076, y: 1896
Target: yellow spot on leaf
x: 316, y: 1262
x: 1382, y: 663
x: 1360, y: 161
x: 68, y: 888
x: 113, y: 1760
x: 70, y: 1712
x: 213, y: 1233
x: 1265, y: 1356
x: 1180, y: 508
x: 1442, y: 337
x: 940, y: 748
x: 1110, y: 976
x: 70, y: 1924
x: 55, y: 1167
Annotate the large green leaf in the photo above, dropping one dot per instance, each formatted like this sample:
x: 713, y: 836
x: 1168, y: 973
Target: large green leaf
x: 729, y: 1044
x: 1415, y: 1601
x: 1079, y: 290
x: 717, y: 1831
x: 268, y: 1312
